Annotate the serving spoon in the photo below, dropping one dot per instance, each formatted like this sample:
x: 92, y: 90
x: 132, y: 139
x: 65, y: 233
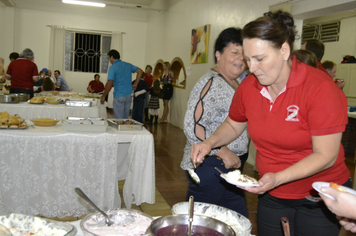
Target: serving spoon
x: 108, y: 221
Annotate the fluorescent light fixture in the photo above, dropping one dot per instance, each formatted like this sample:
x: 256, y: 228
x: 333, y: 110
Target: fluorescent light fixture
x: 93, y: 4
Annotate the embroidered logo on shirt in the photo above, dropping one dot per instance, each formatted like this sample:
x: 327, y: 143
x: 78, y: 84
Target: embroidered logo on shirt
x: 292, y: 113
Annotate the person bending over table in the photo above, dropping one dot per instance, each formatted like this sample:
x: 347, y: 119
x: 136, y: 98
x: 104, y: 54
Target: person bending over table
x: 208, y: 106
x: 23, y: 73
x: 295, y: 117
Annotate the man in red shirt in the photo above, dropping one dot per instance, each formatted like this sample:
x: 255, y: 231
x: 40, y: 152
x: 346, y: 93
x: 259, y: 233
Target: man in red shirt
x: 23, y: 73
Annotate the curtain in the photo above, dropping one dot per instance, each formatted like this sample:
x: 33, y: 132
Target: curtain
x: 57, y: 48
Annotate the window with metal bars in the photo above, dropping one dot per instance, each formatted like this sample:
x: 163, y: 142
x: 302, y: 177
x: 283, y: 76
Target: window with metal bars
x: 86, y: 52
x: 327, y: 32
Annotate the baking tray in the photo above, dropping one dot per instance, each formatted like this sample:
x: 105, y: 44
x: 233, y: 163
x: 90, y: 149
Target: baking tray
x: 92, y: 100
x: 10, y: 127
x: 78, y: 103
x: 27, y: 221
x: 119, y: 124
x: 83, y: 124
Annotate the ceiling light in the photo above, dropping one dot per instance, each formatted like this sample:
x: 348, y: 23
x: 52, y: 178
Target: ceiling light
x: 93, y: 4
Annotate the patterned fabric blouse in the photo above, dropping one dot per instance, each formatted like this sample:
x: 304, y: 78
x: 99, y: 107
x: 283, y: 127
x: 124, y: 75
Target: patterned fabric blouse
x: 216, y: 103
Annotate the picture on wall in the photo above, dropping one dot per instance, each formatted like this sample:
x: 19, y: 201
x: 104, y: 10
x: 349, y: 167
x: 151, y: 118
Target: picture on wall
x: 199, y: 44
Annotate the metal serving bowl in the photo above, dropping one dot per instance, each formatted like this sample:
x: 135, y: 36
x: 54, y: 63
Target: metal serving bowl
x: 239, y: 223
x: 201, y: 225
x: 9, y: 98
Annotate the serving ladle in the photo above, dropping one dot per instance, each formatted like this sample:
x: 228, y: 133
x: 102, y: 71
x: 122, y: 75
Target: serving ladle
x: 108, y: 221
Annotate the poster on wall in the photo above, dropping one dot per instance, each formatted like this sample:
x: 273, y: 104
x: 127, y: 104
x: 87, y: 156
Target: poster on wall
x: 199, y: 44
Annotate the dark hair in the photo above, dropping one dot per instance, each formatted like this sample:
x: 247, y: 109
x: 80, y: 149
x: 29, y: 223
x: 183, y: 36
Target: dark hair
x: 148, y: 66
x: 114, y: 53
x: 306, y: 57
x: 328, y: 65
x: 275, y: 27
x: 227, y: 36
x: 14, y: 56
x: 57, y: 71
x: 48, y: 84
x: 316, y: 47
x: 96, y: 75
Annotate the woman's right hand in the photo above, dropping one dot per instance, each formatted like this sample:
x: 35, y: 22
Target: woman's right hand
x: 199, y: 151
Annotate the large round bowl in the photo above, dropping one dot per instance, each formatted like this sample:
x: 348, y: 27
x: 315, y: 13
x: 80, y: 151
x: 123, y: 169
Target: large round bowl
x: 241, y: 225
x: 178, y: 224
x: 126, y: 222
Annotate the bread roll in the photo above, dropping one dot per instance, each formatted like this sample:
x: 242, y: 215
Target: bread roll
x: 13, y: 120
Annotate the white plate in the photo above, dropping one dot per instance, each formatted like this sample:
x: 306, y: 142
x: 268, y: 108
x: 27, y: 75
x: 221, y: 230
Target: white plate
x: 317, y: 186
x: 238, y: 183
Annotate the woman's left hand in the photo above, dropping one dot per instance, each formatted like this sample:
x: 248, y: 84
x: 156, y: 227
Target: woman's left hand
x: 267, y: 182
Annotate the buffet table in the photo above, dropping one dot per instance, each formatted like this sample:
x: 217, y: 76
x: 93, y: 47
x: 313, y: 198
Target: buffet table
x: 45, y: 110
x: 41, y: 166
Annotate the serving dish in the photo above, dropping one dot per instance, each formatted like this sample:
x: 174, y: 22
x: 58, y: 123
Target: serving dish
x: 9, y: 98
x: 54, y: 101
x: 178, y: 225
x: 20, y: 224
x: 85, y: 124
x: 239, y: 223
x: 126, y: 222
x: 44, y: 122
x: 125, y: 124
x: 78, y: 103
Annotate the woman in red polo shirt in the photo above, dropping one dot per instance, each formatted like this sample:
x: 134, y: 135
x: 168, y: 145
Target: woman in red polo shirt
x: 295, y: 116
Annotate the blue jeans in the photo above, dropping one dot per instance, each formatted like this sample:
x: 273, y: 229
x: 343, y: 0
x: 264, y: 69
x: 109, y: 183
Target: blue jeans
x: 215, y: 190
x: 122, y: 107
x: 137, y: 110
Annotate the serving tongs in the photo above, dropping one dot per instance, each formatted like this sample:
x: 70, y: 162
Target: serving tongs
x: 285, y: 224
x: 190, y: 215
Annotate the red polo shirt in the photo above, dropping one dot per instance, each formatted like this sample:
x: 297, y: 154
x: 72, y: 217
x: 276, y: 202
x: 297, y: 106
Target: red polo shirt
x: 22, y: 72
x: 311, y: 105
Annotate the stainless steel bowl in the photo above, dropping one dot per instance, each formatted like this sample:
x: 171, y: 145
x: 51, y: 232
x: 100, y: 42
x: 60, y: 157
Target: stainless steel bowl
x: 23, y: 97
x: 179, y: 223
x: 9, y: 98
x: 239, y: 223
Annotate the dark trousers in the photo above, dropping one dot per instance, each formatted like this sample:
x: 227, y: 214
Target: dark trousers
x: 137, y: 110
x: 305, y: 218
x: 214, y: 189
x: 26, y: 91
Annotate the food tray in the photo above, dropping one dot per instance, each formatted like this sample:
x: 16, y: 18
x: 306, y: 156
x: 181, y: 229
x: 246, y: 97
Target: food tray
x: 92, y: 100
x: 83, y: 124
x: 78, y: 103
x: 132, y: 124
x: 26, y: 222
x: 23, y: 126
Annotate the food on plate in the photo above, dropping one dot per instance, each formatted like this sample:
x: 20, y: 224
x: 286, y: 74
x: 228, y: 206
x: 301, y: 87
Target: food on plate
x: 337, y: 187
x: 37, y: 99
x: 11, y: 121
x: 19, y: 225
x: 125, y: 122
x: 236, y: 175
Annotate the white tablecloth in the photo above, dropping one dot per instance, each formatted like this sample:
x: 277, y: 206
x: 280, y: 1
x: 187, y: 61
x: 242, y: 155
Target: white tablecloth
x: 41, y: 166
x: 45, y: 110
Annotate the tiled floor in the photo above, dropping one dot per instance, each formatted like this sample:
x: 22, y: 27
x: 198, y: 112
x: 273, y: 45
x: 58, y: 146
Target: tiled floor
x: 171, y: 184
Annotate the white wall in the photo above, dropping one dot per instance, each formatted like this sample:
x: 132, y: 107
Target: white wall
x: 347, y: 44
x: 169, y: 36
x: 31, y: 31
